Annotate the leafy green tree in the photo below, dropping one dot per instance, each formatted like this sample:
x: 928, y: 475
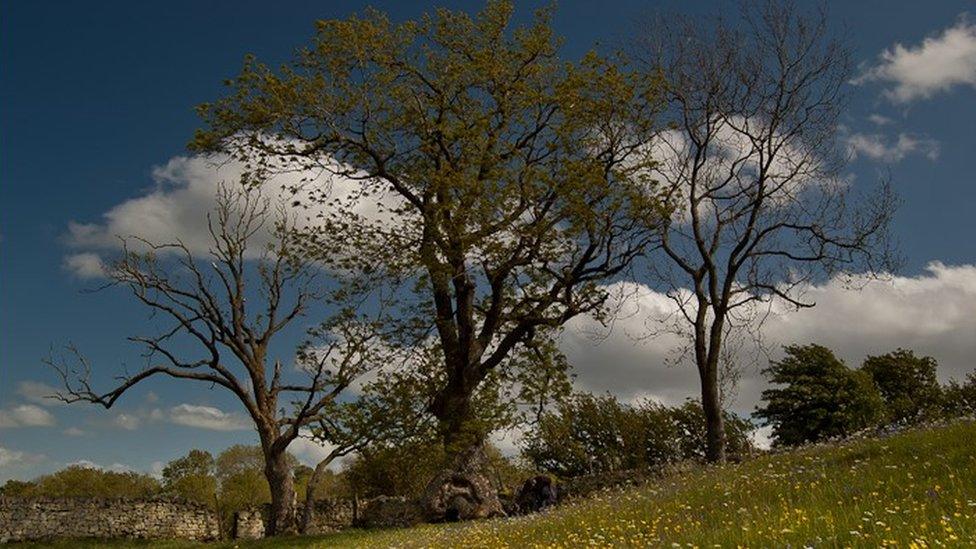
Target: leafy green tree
x: 192, y: 477
x: 241, y: 482
x: 77, y: 481
x: 959, y: 399
x: 908, y: 385
x: 817, y: 397
x: 512, y: 174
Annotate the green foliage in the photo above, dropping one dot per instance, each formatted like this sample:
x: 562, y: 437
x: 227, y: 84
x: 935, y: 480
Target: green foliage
x: 402, y: 469
x: 330, y: 484
x: 192, y: 477
x: 77, y: 481
x: 689, y: 418
x: 511, y: 178
x: 908, y: 385
x: 16, y: 488
x: 818, y: 397
x: 959, y: 399
x: 591, y: 434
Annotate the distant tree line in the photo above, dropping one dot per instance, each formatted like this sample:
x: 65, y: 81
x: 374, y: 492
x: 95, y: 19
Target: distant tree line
x: 817, y: 397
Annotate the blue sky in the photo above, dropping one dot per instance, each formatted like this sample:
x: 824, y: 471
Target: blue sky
x: 95, y: 96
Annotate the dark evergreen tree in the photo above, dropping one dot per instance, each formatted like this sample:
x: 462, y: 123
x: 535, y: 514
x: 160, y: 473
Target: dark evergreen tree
x: 908, y: 385
x: 817, y: 397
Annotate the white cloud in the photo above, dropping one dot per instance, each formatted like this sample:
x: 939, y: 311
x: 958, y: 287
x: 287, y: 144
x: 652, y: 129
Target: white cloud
x: 879, y: 120
x: 933, y: 313
x: 207, y: 417
x: 74, y: 432
x: 507, y: 441
x: 85, y: 265
x: 9, y: 456
x: 128, y: 422
x: 878, y: 147
x: 115, y: 467
x: 732, y: 158
x: 156, y: 469
x: 938, y: 64
x: 25, y: 415
x: 176, y: 209
x: 310, y: 452
x: 38, y: 393
x: 17, y: 464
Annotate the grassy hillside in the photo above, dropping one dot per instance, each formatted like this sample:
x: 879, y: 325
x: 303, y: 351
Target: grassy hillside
x: 915, y: 489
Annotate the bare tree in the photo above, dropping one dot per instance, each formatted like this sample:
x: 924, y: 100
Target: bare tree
x: 230, y: 310
x: 753, y: 168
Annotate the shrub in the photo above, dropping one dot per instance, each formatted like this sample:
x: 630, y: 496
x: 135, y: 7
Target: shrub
x: 690, y: 421
x: 819, y: 398
x: 959, y: 399
x: 908, y: 385
x: 77, y: 481
x: 405, y: 467
x: 589, y: 434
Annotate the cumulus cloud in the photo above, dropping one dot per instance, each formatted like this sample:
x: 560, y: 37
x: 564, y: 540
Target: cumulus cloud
x: 310, y: 452
x: 879, y: 120
x: 129, y: 422
x: 85, y: 265
x: 207, y: 417
x: 38, y: 393
x: 8, y: 456
x: 878, y: 147
x: 25, y: 415
x: 933, y: 313
x: 939, y: 63
x: 115, y: 467
x: 185, y: 191
x: 73, y: 432
x: 732, y: 160
x: 18, y: 464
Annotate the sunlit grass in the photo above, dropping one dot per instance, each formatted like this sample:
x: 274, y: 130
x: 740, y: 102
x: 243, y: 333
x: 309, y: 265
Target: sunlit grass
x: 913, y: 490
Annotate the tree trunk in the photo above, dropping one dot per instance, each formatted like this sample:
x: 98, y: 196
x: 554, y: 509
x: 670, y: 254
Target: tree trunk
x: 462, y: 490
x: 279, y: 475
x: 712, y: 407
x: 309, y: 508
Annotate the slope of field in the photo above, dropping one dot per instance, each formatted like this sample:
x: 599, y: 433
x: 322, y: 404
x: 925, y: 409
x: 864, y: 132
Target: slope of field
x: 916, y: 489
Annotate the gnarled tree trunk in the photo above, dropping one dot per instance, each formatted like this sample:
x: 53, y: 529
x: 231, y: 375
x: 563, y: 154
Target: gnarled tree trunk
x: 462, y: 490
x: 282, y: 517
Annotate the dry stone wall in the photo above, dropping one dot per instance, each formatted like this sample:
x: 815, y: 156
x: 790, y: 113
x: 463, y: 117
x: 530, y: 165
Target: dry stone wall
x: 42, y: 519
x: 332, y: 515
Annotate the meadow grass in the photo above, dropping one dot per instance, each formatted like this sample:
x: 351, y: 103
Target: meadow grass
x: 916, y: 489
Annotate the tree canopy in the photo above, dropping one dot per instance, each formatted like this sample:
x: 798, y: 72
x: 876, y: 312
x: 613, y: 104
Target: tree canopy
x: 817, y: 397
